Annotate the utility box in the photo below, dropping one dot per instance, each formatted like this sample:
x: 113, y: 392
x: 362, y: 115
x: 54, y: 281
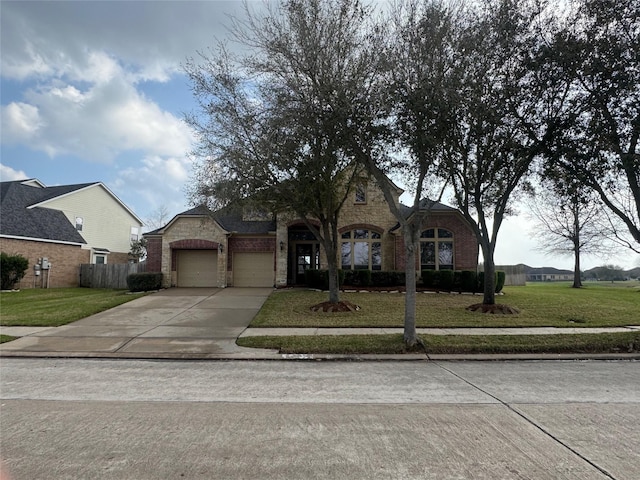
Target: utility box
x: 45, y: 263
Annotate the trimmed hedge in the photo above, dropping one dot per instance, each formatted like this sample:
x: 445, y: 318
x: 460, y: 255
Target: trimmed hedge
x: 357, y: 278
x: 459, y: 280
x: 446, y: 279
x: 388, y: 279
x: 12, y: 269
x: 430, y: 278
x: 320, y: 278
x: 500, y: 278
x: 143, y: 282
x: 468, y: 281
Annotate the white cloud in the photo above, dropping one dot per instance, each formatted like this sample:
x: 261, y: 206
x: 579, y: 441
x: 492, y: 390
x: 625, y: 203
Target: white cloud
x: 41, y: 39
x: 8, y: 174
x: 97, y: 124
x: 156, y: 182
x: 20, y: 121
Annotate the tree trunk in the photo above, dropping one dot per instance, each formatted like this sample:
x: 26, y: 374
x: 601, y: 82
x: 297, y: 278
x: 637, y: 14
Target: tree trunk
x: 577, y: 282
x: 489, y: 275
x: 410, y: 242
x: 334, y: 284
x: 330, y: 247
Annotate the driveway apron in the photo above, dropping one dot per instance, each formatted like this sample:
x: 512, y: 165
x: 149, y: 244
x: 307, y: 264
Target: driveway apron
x: 173, y: 323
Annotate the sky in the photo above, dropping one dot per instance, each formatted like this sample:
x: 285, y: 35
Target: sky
x: 95, y: 91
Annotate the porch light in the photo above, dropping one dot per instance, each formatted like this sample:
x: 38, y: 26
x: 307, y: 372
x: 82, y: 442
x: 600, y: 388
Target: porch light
x: 220, y: 248
x: 281, y: 245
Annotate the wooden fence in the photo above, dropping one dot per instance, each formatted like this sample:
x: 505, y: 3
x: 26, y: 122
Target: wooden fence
x: 515, y: 275
x: 108, y: 275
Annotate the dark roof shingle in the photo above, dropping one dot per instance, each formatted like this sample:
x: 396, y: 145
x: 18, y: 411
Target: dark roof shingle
x: 17, y: 219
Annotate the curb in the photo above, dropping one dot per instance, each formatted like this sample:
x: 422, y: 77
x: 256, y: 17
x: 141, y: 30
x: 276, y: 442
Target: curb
x: 268, y: 356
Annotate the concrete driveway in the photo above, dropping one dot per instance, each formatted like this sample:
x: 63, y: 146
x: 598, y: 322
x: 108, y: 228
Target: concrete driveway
x: 173, y: 323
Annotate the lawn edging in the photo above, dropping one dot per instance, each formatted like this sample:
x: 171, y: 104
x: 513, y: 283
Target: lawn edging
x: 385, y: 344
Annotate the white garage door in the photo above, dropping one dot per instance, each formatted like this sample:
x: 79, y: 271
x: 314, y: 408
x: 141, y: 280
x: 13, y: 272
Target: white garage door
x: 197, y: 268
x: 253, y: 270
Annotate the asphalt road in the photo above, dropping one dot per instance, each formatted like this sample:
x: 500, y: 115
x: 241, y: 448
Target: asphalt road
x: 121, y: 419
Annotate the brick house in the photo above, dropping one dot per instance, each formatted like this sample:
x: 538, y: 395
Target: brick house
x: 63, y: 227
x: 200, y: 248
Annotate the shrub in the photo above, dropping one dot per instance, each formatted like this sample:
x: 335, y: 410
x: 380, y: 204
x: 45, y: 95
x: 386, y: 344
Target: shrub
x: 12, y: 268
x: 480, y: 287
x: 457, y: 281
x: 388, y: 279
x: 446, y: 279
x: 143, y: 282
x: 429, y: 278
x: 357, y: 278
x: 468, y: 281
x: 320, y: 278
x: 501, y: 276
x: 313, y: 278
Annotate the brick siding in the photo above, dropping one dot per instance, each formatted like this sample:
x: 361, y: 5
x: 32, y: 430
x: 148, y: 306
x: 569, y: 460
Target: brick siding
x: 65, y: 260
x: 154, y: 254
x: 464, y: 241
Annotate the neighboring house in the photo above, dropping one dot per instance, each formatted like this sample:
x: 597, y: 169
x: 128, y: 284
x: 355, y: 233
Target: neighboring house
x: 547, y: 274
x: 200, y: 248
x: 62, y: 227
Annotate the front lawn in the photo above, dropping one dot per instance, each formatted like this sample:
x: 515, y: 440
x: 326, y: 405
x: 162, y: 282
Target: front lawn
x: 548, y: 304
x: 57, y: 306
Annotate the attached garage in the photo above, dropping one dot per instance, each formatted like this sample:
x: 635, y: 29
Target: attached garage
x: 197, y: 268
x: 253, y: 269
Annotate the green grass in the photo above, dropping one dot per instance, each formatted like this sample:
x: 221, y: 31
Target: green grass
x: 57, y: 306
x: 544, y: 304
x: 450, y: 344
x: 6, y: 338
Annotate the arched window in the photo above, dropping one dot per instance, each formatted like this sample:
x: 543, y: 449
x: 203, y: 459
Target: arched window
x: 361, y: 250
x: 436, y: 249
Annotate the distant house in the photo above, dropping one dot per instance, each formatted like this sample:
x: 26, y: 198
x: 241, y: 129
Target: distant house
x: 547, y: 274
x: 201, y: 248
x: 59, y: 228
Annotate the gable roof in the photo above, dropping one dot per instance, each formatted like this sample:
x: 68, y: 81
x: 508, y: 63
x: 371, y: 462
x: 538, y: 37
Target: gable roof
x: 20, y: 219
x: 545, y: 270
x: 64, y: 190
x: 229, y: 219
x: 425, y: 203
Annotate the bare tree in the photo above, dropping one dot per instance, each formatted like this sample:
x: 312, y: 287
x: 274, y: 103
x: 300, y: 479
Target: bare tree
x: 568, y: 222
x: 269, y: 130
x: 157, y: 218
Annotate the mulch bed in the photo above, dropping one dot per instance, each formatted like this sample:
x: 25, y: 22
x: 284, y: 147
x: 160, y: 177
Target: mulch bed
x: 497, y: 309
x: 335, y: 307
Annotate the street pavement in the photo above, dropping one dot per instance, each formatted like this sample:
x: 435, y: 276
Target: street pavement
x: 140, y: 419
x: 204, y: 323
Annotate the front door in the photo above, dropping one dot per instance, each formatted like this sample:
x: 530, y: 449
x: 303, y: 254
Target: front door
x: 307, y: 257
